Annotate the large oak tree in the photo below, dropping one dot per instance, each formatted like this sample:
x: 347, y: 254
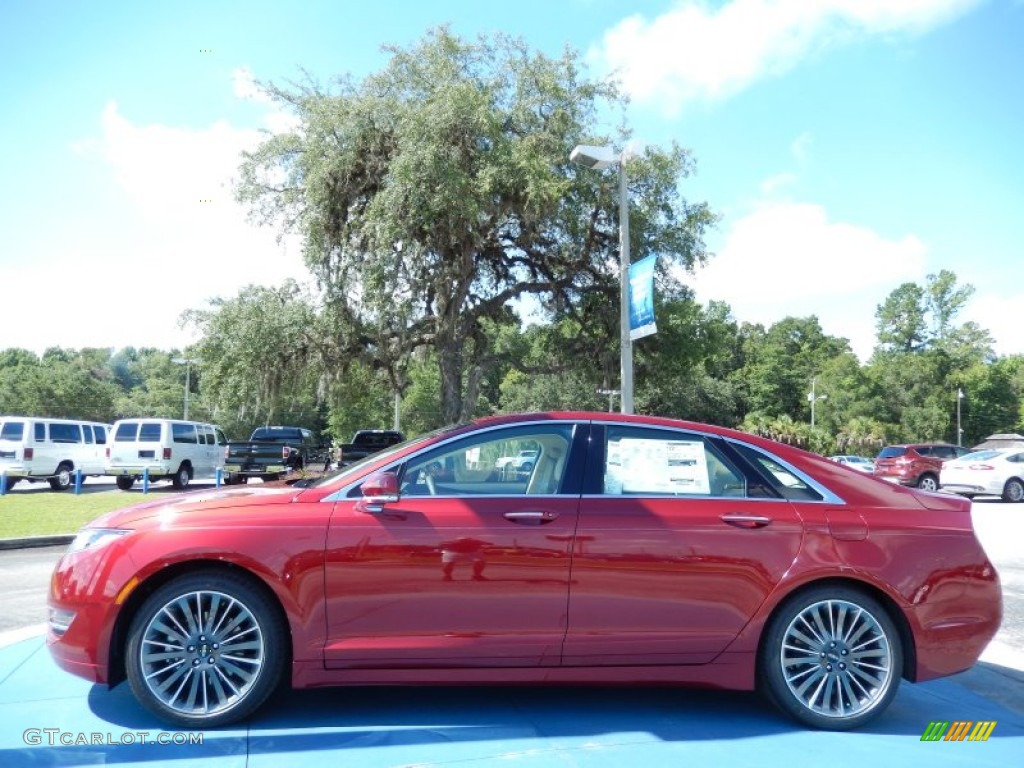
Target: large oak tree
x: 435, y: 195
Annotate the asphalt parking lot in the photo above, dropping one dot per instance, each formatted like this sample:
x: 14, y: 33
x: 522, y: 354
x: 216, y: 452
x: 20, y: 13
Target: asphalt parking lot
x: 48, y: 717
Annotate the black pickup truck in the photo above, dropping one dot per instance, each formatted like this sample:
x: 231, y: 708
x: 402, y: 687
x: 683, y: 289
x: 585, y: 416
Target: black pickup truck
x: 366, y: 442
x: 268, y: 454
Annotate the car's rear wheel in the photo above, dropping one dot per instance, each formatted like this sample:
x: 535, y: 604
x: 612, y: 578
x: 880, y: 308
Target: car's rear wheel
x: 928, y: 483
x: 62, y: 480
x: 125, y: 482
x: 181, y: 478
x: 831, y: 658
x: 1013, y: 491
x: 205, y: 649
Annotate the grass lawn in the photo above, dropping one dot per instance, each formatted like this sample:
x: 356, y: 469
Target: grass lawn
x: 42, y: 513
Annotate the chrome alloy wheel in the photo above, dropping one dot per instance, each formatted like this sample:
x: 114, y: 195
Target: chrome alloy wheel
x: 836, y: 659
x: 202, y: 653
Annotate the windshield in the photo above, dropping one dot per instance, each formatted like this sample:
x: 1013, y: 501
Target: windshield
x: 979, y: 456
x: 892, y: 453
x: 355, y: 466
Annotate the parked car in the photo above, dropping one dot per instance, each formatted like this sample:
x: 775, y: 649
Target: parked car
x: 367, y: 442
x: 36, y: 449
x: 991, y: 473
x: 862, y: 463
x: 164, y: 449
x: 918, y: 464
x: 638, y: 550
x: 268, y: 454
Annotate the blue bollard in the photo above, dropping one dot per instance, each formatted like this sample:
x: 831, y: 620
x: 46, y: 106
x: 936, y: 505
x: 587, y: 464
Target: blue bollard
x: 3, y: 483
x: 220, y: 476
x: 78, y: 481
x: 145, y: 480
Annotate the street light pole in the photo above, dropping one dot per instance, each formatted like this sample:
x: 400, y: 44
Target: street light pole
x: 959, y: 432
x: 187, y: 362
x: 600, y: 158
x: 814, y: 398
x: 626, y: 358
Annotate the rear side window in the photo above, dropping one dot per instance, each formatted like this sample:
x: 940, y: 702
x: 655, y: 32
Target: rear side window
x: 13, y: 430
x: 892, y: 452
x: 126, y: 432
x: 183, y: 433
x: 149, y: 432
x: 65, y: 433
x: 781, y: 480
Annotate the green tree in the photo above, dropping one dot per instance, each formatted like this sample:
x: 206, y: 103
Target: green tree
x: 438, y: 190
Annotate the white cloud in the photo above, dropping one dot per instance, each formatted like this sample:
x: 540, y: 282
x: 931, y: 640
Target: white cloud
x: 700, y: 50
x: 160, y: 251
x: 245, y: 87
x: 788, y: 259
x: 999, y: 314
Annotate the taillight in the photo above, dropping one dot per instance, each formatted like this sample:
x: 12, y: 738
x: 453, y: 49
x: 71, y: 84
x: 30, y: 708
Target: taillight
x: 29, y: 453
x: 108, y: 451
x: 167, y: 454
x: 981, y: 466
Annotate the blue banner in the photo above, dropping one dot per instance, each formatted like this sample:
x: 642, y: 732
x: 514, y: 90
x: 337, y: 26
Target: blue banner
x: 641, y: 298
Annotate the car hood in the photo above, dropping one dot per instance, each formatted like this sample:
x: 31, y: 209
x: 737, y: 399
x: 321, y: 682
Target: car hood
x: 194, y: 503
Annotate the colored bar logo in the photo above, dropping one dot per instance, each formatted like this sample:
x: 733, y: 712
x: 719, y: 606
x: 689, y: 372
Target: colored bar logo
x: 958, y: 730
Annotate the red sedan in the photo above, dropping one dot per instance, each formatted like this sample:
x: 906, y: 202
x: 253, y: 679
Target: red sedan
x: 635, y: 550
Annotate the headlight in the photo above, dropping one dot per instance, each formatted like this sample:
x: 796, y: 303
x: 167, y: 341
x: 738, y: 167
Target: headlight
x: 91, y: 538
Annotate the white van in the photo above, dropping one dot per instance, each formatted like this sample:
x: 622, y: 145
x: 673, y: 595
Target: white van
x: 33, y: 449
x: 180, y: 451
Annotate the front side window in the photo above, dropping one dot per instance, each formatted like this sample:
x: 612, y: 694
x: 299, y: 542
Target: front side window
x: 101, y: 434
x: 520, y: 460
x: 87, y: 430
x: 653, y: 462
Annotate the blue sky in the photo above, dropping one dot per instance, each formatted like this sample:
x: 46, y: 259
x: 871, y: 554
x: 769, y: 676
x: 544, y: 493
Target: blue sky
x: 849, y: 146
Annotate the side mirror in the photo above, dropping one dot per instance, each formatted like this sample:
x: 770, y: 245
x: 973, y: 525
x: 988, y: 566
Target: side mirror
x: 378, y: 489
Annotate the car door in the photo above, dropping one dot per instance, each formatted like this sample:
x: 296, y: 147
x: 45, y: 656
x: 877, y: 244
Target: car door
x: 467, y: 568
x: 679, y: 542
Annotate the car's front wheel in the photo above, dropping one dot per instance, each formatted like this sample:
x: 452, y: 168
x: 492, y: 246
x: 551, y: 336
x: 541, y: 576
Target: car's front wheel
x: 831, y: 658
x: 205, y: 650
x: 1013, y: 491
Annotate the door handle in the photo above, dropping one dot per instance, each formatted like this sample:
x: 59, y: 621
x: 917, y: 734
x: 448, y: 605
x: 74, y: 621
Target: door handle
x: 745, y: 521
x: 531, y: 517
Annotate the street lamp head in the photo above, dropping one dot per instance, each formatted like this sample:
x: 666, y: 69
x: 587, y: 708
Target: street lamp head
x: 597, y: 158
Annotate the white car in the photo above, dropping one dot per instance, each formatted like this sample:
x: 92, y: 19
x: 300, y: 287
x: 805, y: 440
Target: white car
x: 856, y: 462
x: 986, y: 473
x: 180, y: 451
x: 33, y: 448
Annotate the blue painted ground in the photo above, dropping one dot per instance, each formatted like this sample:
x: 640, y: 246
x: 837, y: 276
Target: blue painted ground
x: 370, y: 727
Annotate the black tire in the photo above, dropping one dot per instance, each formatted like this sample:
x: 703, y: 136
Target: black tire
x: 63, y: 479
x: 182, y: 477
x: 195, y: 688
x: 125, y: 482
x: 842, y: 655
x: 1013, y: 491
x: 928, y: 482
x: 12, y: 481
